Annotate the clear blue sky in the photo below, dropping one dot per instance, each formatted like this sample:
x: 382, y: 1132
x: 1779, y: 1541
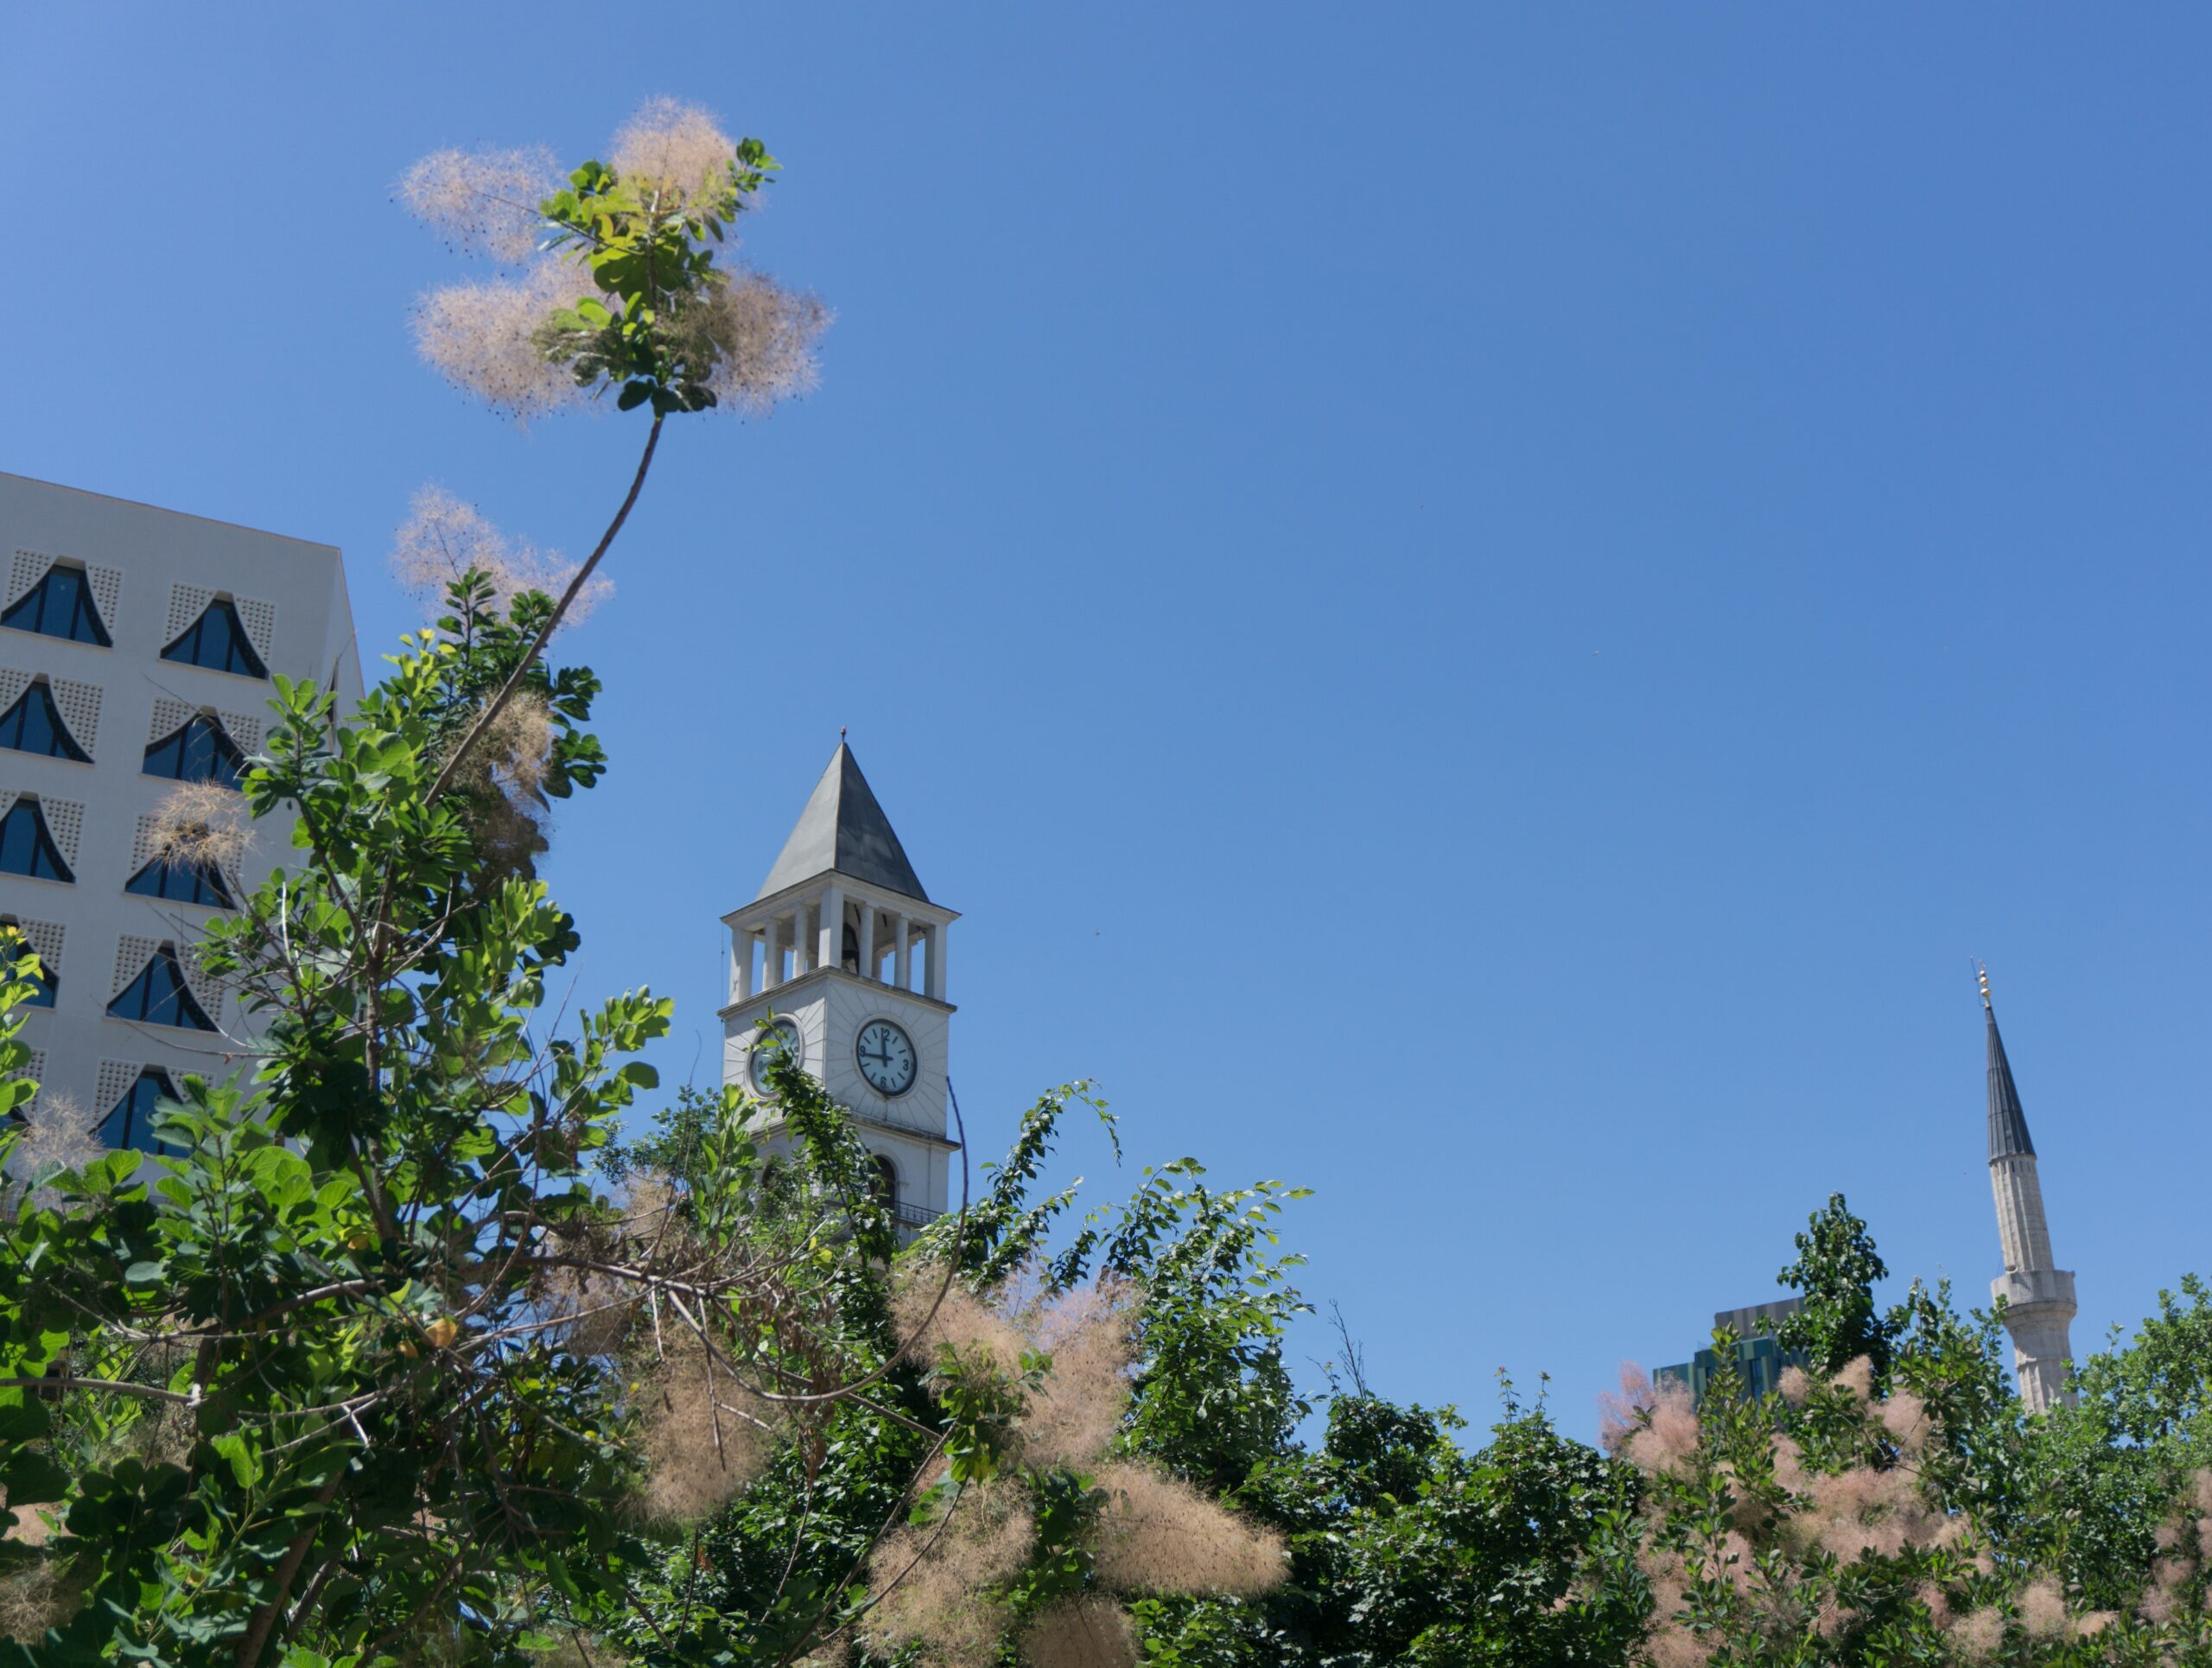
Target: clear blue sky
x: 1482, y: 607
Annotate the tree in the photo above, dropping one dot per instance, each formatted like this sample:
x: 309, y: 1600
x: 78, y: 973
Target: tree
x: 1835, y: 1271
x: 315, y: 1387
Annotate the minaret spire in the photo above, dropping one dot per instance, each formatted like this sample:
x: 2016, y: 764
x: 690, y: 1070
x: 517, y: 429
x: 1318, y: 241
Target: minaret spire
x: 2039, y: 1296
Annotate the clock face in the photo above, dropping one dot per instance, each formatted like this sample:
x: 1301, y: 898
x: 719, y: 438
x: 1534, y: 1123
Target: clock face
x: 887, y: 1057
x: 775, y: 1042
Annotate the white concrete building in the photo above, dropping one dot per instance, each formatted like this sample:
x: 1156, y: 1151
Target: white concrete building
x: 136, y: 647
x: 2038, y: 1295
x: 842, y: 957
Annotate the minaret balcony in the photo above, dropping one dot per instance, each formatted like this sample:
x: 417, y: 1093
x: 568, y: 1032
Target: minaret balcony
x: 2026, y: 1289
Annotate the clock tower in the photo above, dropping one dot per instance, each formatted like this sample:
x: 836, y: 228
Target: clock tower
x: 841, y: 958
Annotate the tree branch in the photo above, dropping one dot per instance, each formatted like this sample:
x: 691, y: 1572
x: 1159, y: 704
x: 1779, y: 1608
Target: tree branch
x: 485, y: 719
x: 265, y: 1618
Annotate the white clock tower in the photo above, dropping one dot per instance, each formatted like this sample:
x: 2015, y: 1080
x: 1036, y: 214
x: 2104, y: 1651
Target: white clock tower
x: 842, y: 958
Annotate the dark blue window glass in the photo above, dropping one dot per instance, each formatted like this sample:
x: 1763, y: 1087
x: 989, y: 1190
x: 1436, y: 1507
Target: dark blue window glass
x: 199, y: 752
x: 25, y: 846
x: 129, y: 1122
x: 216, y: 640
x: 60, y: 605
x: 181, y: 882
x: 159, y: 997
x: 33, y: 725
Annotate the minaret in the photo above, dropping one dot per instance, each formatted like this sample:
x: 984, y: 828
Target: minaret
x: 2039, y: 1298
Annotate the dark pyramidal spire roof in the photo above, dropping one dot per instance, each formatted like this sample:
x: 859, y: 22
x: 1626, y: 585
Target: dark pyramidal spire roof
x: 2008, y: 1124
x: 843, y: 829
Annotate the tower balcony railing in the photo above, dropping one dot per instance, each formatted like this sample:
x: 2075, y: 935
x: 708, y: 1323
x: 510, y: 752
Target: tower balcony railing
x: 914, y: 1216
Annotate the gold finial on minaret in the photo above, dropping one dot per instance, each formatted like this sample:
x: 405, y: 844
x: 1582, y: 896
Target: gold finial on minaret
x: 1982, y: 971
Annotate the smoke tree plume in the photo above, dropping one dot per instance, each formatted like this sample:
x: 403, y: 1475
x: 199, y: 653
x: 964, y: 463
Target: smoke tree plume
x: 203, y: 826
x: 613, y: 279
x: 445, y: 537
x: 56, y: 1135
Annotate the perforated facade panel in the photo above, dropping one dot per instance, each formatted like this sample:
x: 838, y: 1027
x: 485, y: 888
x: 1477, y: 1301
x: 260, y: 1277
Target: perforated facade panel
x: 28, y: 568
x: 259, y: 619
x: 201, y: 982
x: 115, y: 1080
x: 186, y: 604
x: 170, y: 717
x: 65, y: 820
x: 242, y: 727
x: 131, y: 955
x: 107, y: 592
x: 80, y: 711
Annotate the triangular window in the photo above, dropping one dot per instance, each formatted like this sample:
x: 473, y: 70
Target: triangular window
x: 181, y: 882
x: 130, y: 1121
x: 25, y: 846
x: 199, y: 751
x: 60, y: 605
x: 159, y: 996
x: 33, y: 725
x: 217, y: 641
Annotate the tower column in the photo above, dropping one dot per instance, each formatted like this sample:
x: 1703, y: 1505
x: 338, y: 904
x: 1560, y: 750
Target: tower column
x: 740, y: 964
x: 772, y: 958
x: 902, y: 955
x: 934, y: 977
x: 802, y: 941
x: 868, y: 939
x: 831, y: 952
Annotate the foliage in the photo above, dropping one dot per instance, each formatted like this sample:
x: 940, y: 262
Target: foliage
x: 649, y: 246
x: 1836, y: 1269
x: 2102, y: 1481
x: 1407, y: 1547
x: 1213, y: 1399
x: 1936, y: 1523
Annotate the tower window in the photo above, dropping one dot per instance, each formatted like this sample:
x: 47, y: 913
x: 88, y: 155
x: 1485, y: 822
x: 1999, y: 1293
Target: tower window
x: 218, y: 641
x: 26, y: 848
x: 159, y: 996
x: 197, y: 751
x: 130, y: 1121
x: 885, y: 1188
x: 181, y: 882
x: 33, y: 725
x: 60, y: 605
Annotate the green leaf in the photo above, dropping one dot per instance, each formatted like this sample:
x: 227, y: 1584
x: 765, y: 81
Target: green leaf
x: 32, y: 1477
